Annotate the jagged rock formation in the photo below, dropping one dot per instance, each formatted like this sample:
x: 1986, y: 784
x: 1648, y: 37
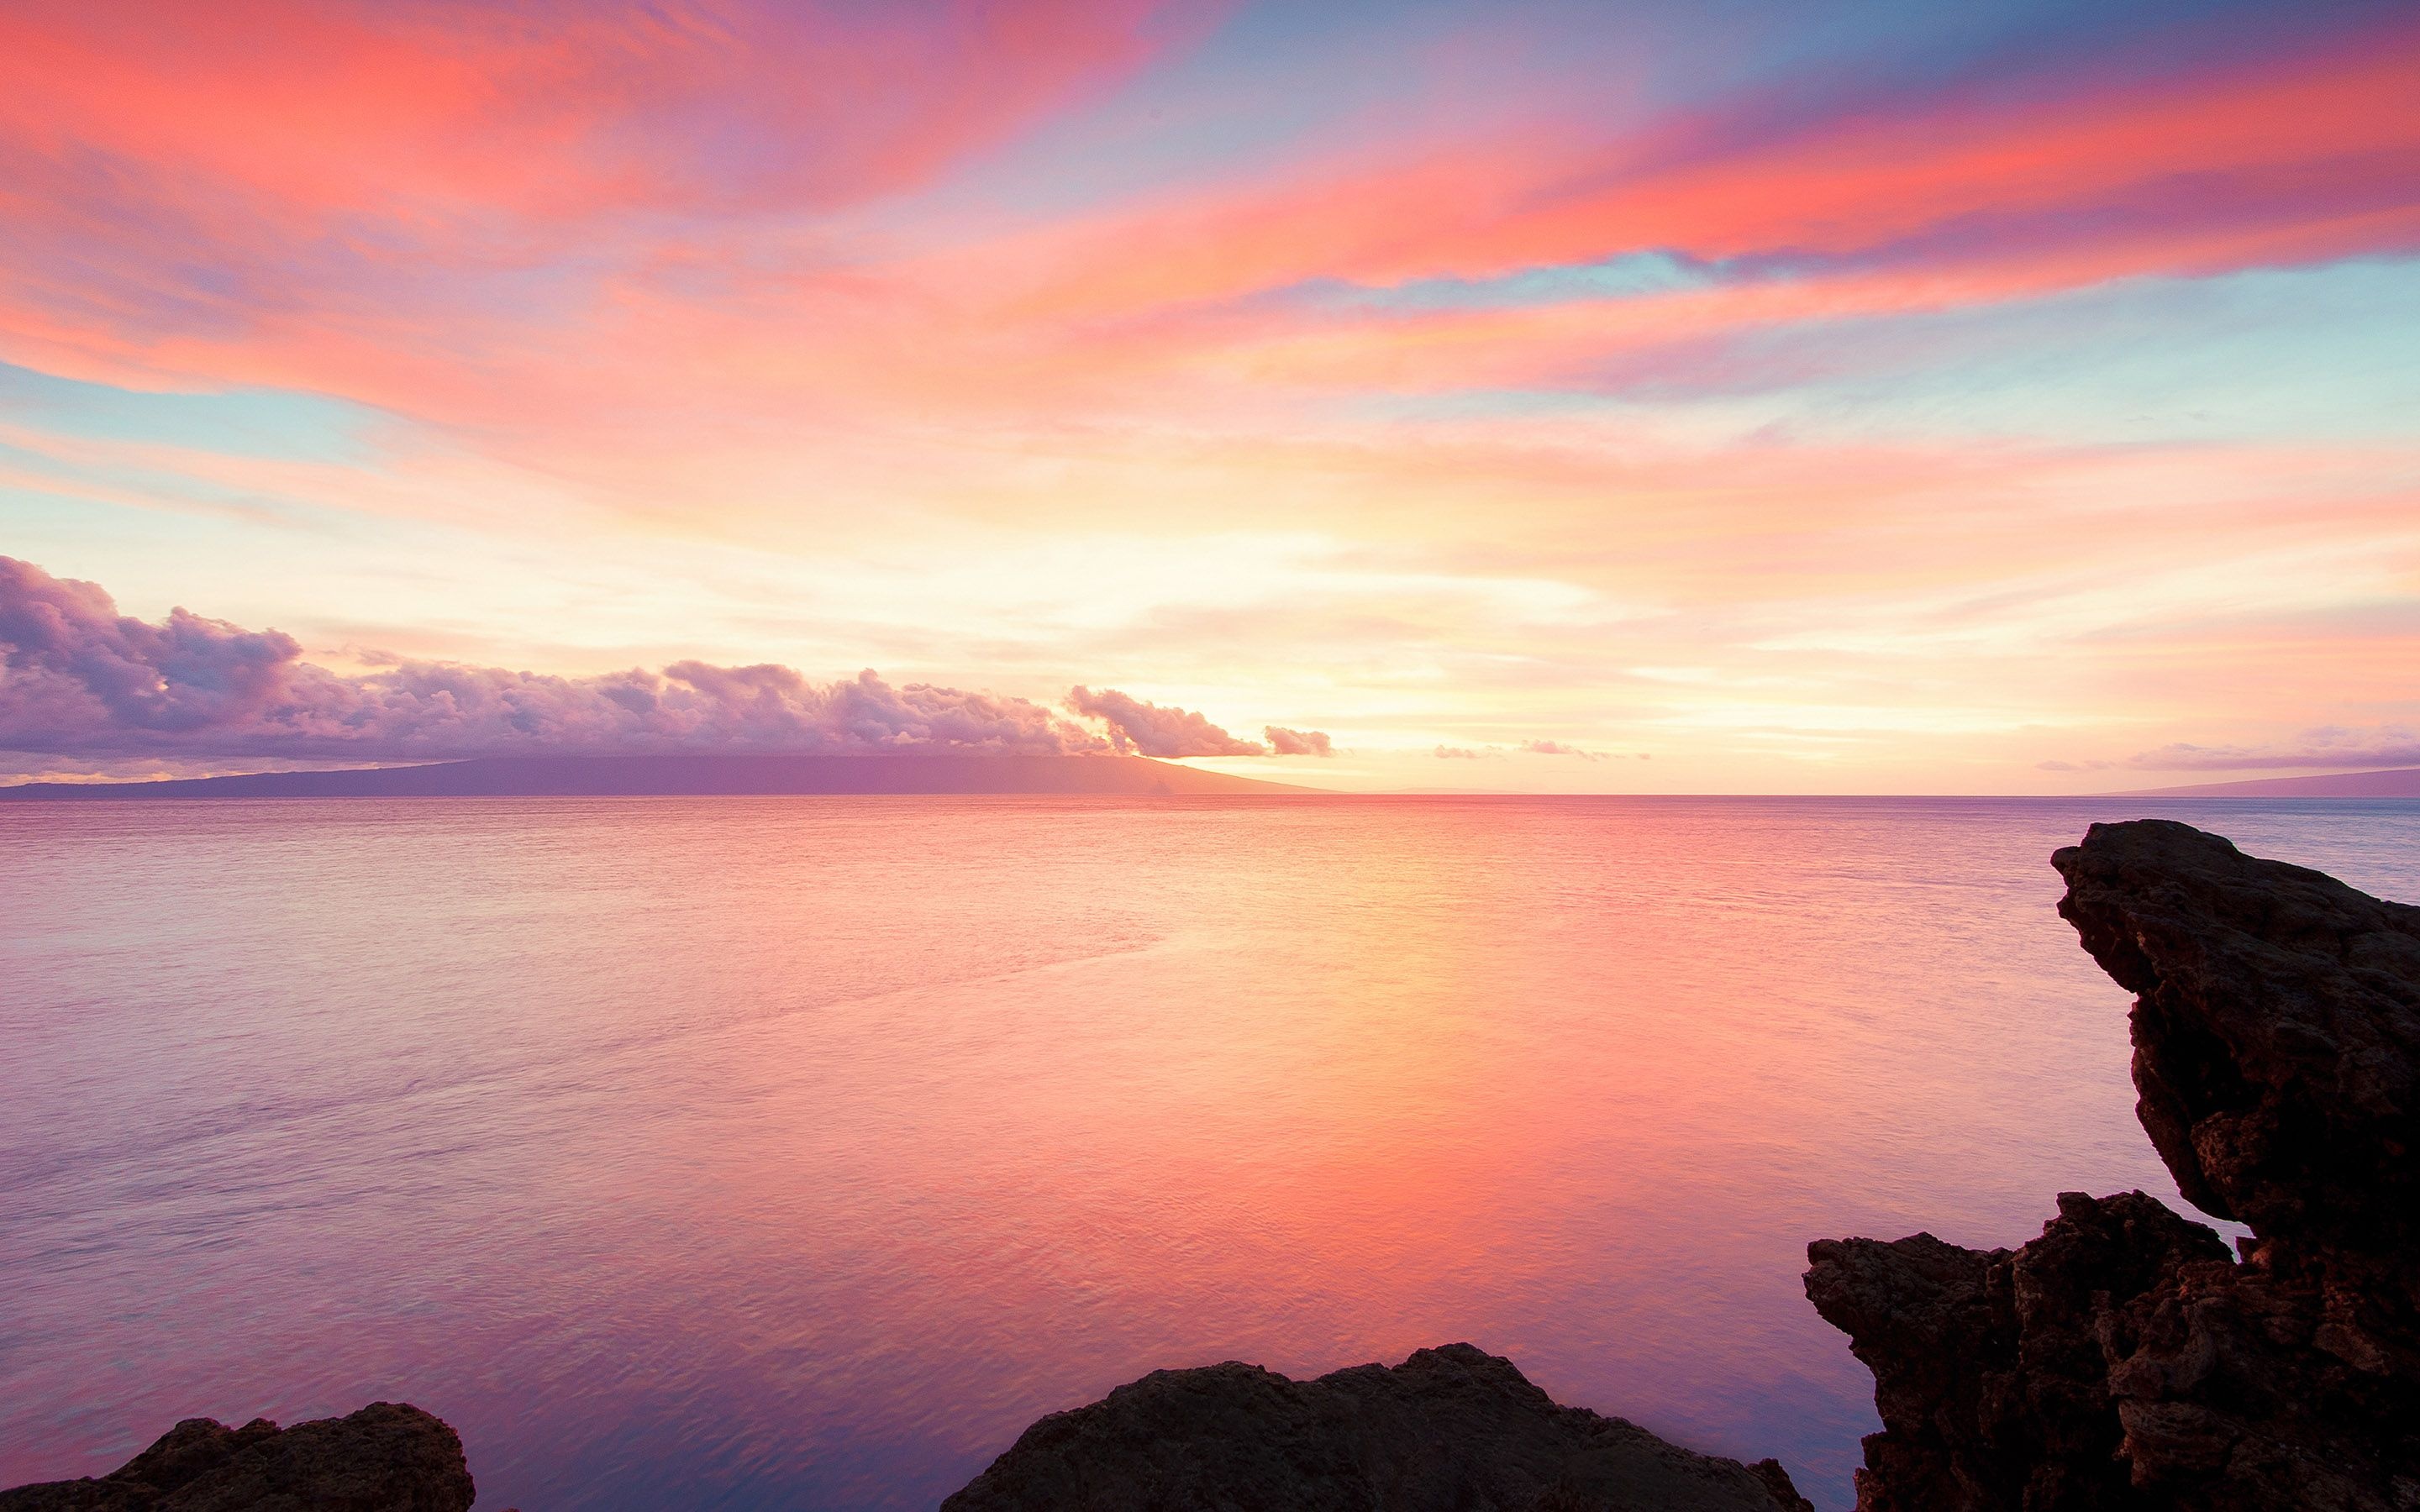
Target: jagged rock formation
x: 1451, y: 1429
x: 387, y: 1458
x: 2122, y: 1360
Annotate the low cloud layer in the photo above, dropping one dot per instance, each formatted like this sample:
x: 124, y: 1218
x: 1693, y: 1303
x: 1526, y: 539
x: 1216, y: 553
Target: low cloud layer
x: 1285, y: 742
x: 1151, y: 730
x: 2331, y: 747
x: 2390, y: 746
x: 78, y: 679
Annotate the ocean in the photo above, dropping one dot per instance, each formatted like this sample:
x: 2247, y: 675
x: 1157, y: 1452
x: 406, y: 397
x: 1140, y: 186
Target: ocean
x: 797, y: 1152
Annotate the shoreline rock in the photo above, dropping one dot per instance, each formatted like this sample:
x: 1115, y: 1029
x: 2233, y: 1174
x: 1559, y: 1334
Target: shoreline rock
x: 1450, y: 1430
x: 387, y: 1458
x: 2124, y: 1359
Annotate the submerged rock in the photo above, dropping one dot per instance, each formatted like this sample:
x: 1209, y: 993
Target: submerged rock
x: 387, y: 1458
x: 2123, y: 1360
x: 1451, y: 1429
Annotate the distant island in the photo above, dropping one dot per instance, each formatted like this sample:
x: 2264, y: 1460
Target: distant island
x: 2403, y: 782
x: 696, y: 776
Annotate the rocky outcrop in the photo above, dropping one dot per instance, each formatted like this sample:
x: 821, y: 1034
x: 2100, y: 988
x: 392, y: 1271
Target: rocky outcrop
x: 1451, y: 1429
x: 1989, y: 1372
x: 2124, y: 1359
x: 2277, y: 1033
x: 387, y: 1458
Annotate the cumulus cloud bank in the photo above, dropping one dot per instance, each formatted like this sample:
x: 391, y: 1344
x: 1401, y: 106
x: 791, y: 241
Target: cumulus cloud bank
x: 1156, y: 731
x: 1286, y: 742
x: 79, y: 679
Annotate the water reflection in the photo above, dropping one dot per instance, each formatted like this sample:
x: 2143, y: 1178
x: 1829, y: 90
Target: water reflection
x: 777, y: 1153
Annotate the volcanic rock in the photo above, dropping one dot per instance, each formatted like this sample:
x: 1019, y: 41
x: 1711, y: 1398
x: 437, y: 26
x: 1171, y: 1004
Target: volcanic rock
x: 387, y: 1458
x: 2123, y: 1360
x: 1451, y: 1429
x: 2277, y: 1033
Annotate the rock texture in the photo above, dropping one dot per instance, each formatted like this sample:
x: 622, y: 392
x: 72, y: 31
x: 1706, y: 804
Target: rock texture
x: 1451, y: 1429
x: 2124, y: 1359
x: 387, y: 1458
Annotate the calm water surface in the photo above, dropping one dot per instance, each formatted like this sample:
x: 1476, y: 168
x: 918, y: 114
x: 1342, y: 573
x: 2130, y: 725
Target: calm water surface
x: 780, y: 1153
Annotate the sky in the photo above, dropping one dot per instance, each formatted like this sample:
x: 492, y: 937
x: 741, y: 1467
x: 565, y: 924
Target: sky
x: 1638, y: 396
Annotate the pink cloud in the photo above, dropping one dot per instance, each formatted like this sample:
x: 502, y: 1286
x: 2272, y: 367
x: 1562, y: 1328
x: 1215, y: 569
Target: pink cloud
x: 540, y: 220
x: 79, y: 679
x: 191, y: 190
x: 2301, y: 150
x: 436, y: 118
x: 1285, y: 742
x: 1887, y: 206
x: 1154, y: 730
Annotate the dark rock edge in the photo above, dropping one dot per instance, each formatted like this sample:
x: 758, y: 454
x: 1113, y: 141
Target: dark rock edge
x: 2123, y: 1360
x: 1449, y: 1428
x: 387, y: 1458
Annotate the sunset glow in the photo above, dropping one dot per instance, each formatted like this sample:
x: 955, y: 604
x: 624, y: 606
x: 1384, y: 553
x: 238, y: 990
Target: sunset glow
x: 1640, y: 397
